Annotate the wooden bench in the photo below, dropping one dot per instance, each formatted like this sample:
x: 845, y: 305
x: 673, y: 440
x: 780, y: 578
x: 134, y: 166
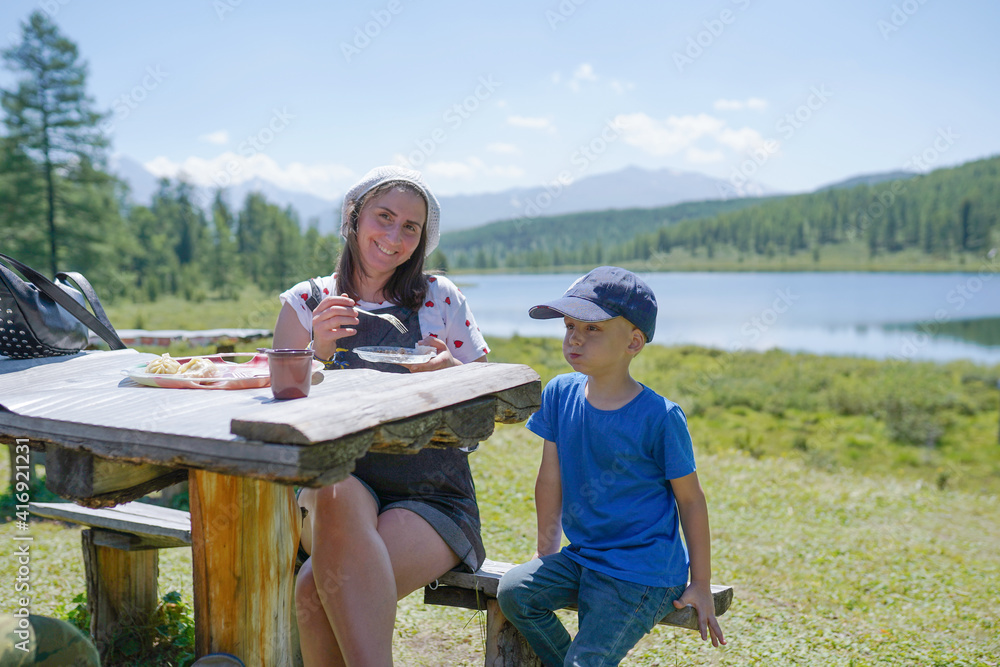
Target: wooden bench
x: 120, y: 556
x: 120, y: 553
x: 505, y: 646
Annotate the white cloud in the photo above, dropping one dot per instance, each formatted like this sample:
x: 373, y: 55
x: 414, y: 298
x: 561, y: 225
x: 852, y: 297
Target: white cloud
x: 728, y: 105
x: 508, y: 171
x: 622, y: 87
x: 228, y: 168
x: 754, y: 103
x: 219, y: 137
x: 741, y: 139
x: 695, y: 155
x: 504, y: 149
x: 585, y: 72
x: 531, y: 123
x: 668, y: 136
x: 462, y: 170
x: 675, y: 134
x: 469, y: 169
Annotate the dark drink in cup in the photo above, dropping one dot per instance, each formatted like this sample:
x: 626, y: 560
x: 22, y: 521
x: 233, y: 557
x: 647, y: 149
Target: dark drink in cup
x: 291, y: 373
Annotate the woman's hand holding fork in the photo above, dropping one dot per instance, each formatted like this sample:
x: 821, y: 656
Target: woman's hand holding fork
x: 332, y: 320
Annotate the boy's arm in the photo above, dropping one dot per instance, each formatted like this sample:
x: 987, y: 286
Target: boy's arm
x: 693, y: 512
x: 548, y: 501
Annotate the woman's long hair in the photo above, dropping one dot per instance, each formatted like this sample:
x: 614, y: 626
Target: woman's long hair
x: 407, y: 285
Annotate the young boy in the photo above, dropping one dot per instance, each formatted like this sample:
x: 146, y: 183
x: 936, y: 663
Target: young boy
x: 618, y: 475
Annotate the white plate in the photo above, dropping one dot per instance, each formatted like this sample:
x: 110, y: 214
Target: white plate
x: 251, y: 374
x: 396, y: 355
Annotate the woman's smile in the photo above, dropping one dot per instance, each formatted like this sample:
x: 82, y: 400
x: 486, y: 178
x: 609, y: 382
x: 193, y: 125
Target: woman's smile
x: 387, y: 252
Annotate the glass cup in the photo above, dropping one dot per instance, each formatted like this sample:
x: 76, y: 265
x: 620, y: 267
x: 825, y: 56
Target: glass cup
x: 291, y: 373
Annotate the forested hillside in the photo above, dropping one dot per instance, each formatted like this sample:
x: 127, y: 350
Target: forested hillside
x: 576, y: 238
x: 948, y: 213
x: 945, y: 212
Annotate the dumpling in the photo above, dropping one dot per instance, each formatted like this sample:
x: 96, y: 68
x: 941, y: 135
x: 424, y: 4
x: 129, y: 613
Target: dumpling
x: 199, y: 368
x: 163, y: 364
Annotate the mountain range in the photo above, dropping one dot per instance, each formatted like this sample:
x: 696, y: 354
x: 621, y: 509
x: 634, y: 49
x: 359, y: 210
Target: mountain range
x: 631, y: 187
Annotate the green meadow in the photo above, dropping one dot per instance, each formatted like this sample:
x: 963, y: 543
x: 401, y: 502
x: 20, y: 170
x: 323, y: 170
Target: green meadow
x: 853, y: 503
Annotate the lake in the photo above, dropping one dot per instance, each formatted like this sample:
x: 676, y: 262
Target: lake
x: 919, y: 316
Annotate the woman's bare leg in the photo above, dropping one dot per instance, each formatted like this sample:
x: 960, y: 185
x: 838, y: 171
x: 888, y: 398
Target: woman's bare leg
x: 418, y: 554
x: 352, y: 577
x: 316, y: 639
x: 338, y: 605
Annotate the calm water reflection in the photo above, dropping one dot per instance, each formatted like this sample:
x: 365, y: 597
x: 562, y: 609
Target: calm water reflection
x: 883, y: 315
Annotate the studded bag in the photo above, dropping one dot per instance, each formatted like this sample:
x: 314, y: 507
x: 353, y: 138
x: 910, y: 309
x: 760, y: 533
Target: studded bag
x: 41, y: 318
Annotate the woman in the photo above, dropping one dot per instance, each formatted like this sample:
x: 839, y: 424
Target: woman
x: 398, y: 522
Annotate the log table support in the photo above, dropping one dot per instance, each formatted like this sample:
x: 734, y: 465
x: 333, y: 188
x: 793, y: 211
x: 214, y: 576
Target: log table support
x: 121, y: 589
x: 253, y: 529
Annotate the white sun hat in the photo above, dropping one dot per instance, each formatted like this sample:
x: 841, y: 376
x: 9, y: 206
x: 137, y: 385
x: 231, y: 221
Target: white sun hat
x: 386, y: 174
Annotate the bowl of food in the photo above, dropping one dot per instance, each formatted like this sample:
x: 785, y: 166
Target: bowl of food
x: 396, y: 355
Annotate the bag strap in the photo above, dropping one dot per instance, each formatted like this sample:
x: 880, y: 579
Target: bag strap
x: 315, y: 295
x: 100, y: 325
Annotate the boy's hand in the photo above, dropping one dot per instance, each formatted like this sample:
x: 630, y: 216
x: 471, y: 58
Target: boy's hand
x: 699, y: 596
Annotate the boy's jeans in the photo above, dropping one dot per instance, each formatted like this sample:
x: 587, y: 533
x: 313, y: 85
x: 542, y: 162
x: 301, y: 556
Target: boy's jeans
x: 614, y: 614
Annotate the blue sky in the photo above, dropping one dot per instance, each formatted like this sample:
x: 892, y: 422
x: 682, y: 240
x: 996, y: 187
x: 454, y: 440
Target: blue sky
x: 487, y: 96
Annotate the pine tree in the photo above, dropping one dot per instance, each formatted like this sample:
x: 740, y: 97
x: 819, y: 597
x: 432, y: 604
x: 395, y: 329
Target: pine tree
x: 49, y: 117
x: 224, y: 270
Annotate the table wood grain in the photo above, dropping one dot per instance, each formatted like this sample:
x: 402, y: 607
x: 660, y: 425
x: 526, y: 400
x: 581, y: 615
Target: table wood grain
x: 84, y: 402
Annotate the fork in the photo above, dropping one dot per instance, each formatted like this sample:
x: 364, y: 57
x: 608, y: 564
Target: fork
x: 391, y: 319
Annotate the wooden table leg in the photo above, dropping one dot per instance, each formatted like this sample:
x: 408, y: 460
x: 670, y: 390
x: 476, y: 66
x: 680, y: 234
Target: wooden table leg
x: 121, y: 592
x: 244, y: 534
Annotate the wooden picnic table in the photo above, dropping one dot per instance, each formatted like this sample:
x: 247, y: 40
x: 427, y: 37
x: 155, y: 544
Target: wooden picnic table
x: 108, y: 440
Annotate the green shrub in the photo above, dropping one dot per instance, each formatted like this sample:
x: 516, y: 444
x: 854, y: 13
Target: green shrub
x: 166, y: 640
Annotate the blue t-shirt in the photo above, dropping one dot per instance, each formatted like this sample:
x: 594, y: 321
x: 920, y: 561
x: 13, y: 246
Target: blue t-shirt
x: 618, y: 508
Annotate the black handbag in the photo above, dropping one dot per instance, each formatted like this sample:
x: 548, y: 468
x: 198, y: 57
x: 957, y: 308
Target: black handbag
x: 42, y: 318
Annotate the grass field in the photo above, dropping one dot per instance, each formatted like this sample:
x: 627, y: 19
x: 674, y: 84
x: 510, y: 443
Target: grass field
x: 830, y: 568
x: 854, y: 508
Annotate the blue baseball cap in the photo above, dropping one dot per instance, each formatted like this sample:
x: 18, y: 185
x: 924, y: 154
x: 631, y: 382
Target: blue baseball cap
x: 603, y: 294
